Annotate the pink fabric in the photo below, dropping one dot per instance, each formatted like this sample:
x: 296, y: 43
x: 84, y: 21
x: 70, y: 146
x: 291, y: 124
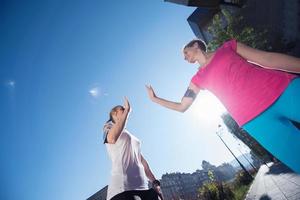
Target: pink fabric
x: 245, y: 89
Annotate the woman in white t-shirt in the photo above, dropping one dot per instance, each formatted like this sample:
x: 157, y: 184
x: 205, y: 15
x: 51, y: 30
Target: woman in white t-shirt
x: 129, y: 167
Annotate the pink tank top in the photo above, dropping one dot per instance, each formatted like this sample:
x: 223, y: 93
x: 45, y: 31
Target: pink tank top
x: 245, y: 89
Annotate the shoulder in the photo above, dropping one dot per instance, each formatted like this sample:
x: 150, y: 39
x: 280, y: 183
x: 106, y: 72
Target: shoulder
x: 197, y: 79
x: 194, y: 84
x: 232, y: 44
x: 107, y: 126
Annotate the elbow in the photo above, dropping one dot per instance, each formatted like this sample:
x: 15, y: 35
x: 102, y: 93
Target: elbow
x: 113, y: 136
x: 183, y: 109
x: 111, y: 140
x: 185, y: 104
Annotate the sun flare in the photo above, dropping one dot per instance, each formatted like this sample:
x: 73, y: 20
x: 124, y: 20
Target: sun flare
x: 207, y: 107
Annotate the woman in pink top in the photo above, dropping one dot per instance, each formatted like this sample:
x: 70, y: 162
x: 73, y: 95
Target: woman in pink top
x: 259, y: 89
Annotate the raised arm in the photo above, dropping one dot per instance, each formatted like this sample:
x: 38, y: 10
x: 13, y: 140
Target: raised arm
x: 181, y: 106
x: 269, y: 60
x: 115, y: 131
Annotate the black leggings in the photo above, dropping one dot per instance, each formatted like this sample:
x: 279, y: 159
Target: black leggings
x: 150, y: 194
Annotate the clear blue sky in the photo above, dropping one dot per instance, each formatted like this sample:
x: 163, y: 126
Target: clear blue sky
x: 64, y: 64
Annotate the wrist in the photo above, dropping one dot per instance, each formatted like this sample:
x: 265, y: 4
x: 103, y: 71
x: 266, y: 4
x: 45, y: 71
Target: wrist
x: 155, y: 183
x: 154, y: 99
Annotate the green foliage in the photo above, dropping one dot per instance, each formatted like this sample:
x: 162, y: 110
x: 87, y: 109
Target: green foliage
x: 226, y: 26
x: 242, y: 178
x: 241, y: 185
x: 240, y: 192
x: 211, y: 175
x: 215, y: 191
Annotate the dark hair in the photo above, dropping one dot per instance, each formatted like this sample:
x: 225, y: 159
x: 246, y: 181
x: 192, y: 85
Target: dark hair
x: 113, y: 110
x: 201, y: 44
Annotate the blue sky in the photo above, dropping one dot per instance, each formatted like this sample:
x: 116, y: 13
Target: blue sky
x: 64, y: 64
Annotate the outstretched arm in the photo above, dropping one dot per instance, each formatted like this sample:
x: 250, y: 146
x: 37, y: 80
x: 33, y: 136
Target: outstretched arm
x: 181, y: 106
x: 115, y: 131
x: 269, y: 60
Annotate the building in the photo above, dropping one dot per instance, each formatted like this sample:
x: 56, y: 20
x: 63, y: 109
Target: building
x: 196, y: 3
x: 279, y: 18
x: 100, y: 195
x: 185, y: 186
x: 199, y: 21
x: 207, y: 3
x: 177, y: 186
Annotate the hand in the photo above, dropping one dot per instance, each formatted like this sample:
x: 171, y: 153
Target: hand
x: 127, y: 105
x: 151, y: 92
x: 158, y: 191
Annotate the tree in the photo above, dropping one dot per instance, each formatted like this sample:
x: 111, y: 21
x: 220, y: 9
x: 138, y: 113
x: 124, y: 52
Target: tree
x: 215, y: 191
x: 242, y: 178
x: 225, y: 172
x: 226, y: 26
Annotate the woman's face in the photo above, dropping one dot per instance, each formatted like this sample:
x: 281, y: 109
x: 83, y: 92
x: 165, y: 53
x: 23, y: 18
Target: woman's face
x: 118, y: 112
x: 190, y: 54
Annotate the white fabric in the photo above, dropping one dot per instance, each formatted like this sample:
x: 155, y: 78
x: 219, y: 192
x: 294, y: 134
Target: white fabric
x: 127, y: 170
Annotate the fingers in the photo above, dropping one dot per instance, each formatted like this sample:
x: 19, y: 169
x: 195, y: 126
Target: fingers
x: 148, y: 86
x: 151, y: 88
x: 126, y: 99
x: 126, y: 103
x: 158, y: 191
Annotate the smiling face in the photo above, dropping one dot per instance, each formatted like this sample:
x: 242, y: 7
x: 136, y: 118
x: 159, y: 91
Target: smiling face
x: 117, y: 112
x: 194, y: 51
x: 190, y: 54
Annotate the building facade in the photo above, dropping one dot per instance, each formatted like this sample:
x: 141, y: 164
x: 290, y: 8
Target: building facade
x: 100, y: 195
x: 185, y: 186
x: 279, y: 18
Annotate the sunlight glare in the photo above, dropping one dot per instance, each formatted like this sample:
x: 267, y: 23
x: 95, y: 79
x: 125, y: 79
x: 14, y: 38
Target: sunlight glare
x: 207, y: 108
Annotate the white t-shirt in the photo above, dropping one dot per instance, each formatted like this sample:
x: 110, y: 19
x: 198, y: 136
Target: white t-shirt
x: 127, y: 172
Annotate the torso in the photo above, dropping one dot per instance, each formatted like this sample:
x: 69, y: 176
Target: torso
x: 244, y: 88
x: 127, y: 170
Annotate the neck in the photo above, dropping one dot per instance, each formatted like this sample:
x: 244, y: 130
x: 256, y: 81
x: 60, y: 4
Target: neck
x: 206, y: 58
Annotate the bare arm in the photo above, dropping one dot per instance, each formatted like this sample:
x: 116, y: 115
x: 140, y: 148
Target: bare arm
x: 151, y: 177
x: 148, y: 171
x: 115, y: 131
x: 271, y: 60
x: 181, y: 106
